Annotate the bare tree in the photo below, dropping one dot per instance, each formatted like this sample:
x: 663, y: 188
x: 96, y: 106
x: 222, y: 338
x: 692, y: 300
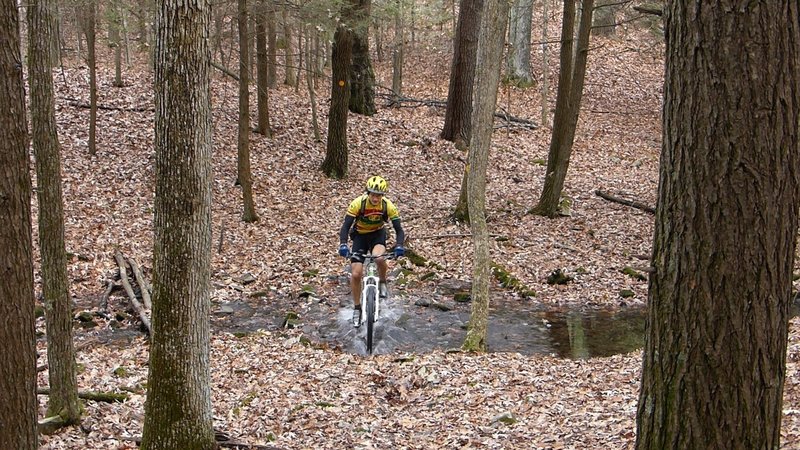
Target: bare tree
x: 518, y: 62
x: 335, y: 164
x: 87, y: 17
x: 244, y: 174
x: 714, y: 361
x: 262, y: 70
x: 568, y: 101
x: 55, y: 283
x: 487, y: 78
x: 362, y: 76
x: 178, y: 411
x: 17, y: 335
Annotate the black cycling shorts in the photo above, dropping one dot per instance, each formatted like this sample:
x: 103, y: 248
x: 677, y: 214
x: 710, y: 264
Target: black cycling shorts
x: 363, y: 243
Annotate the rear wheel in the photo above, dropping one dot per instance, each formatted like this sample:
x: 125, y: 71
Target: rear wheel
x: 370, y: 317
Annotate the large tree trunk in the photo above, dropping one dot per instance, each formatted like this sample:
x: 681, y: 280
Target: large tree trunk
x: 335, y: 164
x: 726, y: 229
x: 462, y: 73
x: 362, y: 77
x: 518, y: 65
x: 244, y: 173
x: 264, y: 127
x: 17, y: 335
x: 55, y: 283
x: 178, y: 410
x: 568, y: 101
x: 487, y: 77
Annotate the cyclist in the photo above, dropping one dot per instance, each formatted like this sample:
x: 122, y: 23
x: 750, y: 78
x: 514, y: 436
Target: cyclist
x: 364, y: 223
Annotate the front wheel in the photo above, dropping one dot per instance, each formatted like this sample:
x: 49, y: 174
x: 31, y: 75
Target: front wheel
x: 370, y: 318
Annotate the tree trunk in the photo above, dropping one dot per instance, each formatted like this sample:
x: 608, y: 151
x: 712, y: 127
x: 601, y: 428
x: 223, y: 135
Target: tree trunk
x: 726, y: 229
x: 289, y: 75
x: 605, y: 18
x: 244, y: 173
x: 55, y: 283
x: 264, y: 127
x: 362, y: 76
x: 312, y: 95
x: 397, y: 53
x: 335, y: 164
x: 461, y: 212
x: 178, y: 411
x: 115, y: 40
x: 570, y: 91
x: 272, y: 50
x: 518, y: 64
x: 462, y: 73
x: 545, y: 92
x: 87, y: 18
x: 18, y: 406
x: 487, y: 77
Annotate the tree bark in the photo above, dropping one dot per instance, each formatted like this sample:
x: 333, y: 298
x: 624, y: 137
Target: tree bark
x: 272, y: 47
x: 487, y: 78
x: 726, y: 228
x: 362, y: 76
x: 312, y: 95
x: 264, y: 127
x: 244, y: 173
x: 462, y: 74
x: 335, y: 164
x: 518, y: 64
x: 17, y: 335
x: 88, y: 18
x: 398, y: 53
x: 570, y: 91
x: 178, y: 411
x: 289, y: 78
x: 55, y: 283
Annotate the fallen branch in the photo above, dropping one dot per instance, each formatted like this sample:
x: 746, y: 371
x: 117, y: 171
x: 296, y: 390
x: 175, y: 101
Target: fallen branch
x: 222, y: 441
x: 224, y: 70
x: 625, y: 202
x: 106, y: 294
x: 123, y: 274
x: 649, y: 10
x: 449, y: 235
x: 143, y: 286
x: 79, y: 104
x: 395, y: 101
x: 108, y: 397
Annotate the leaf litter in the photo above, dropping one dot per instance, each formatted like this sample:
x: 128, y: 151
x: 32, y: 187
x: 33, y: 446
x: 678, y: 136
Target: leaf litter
x: 271, y: 387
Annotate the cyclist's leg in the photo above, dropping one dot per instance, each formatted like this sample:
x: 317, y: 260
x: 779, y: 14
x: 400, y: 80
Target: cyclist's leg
x: 356, y: 272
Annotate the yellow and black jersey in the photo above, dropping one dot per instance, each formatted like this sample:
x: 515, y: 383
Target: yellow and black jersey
x: 369, y: 217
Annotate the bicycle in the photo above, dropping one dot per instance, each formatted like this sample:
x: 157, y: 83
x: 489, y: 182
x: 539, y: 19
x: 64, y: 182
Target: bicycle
x: 370, y: 294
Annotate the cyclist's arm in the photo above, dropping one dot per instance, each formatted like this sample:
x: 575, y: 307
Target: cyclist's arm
x: 398, y: 231
x: 345, y: 230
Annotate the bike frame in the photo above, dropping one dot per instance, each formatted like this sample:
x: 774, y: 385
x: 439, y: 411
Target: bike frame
x: 370, y: 293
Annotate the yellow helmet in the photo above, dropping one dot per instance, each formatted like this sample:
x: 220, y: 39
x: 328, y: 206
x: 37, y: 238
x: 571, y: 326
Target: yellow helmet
x: 377, y: 185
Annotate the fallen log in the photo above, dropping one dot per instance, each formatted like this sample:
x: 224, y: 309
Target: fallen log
x: 144, y: 287
x: 123, y: 274
x: 108, y: 397
x: 622, y: 201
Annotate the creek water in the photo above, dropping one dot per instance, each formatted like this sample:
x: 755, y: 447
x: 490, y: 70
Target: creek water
x: 416, y: 325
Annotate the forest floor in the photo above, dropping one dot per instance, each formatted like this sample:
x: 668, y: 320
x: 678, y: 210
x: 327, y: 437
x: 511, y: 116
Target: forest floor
x: 271, y: 387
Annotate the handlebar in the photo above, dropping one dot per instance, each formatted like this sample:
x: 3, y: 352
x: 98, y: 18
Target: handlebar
x: 368, y: 255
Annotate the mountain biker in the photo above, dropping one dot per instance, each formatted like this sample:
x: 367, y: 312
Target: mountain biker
x: 364, y: 223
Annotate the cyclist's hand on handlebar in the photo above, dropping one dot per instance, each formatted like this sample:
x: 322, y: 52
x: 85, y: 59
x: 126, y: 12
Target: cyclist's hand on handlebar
x: 344, y: 251
x: 399, y: 251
